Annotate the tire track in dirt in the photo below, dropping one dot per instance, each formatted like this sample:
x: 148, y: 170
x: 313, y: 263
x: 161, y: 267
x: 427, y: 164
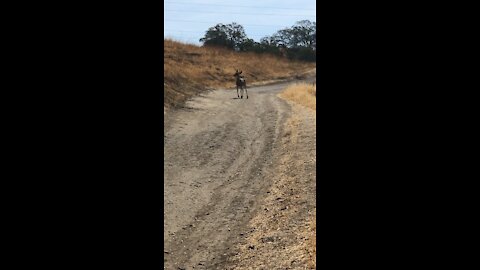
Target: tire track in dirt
x: 284, y: 235
x: 217, y: 154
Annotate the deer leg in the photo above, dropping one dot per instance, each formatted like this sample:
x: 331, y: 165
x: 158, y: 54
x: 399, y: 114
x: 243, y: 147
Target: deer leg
x: 246, y: 90
x: 237, y: 92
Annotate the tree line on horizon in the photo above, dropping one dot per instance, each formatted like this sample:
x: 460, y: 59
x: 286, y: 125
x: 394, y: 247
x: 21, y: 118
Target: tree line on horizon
x: 297, y: 42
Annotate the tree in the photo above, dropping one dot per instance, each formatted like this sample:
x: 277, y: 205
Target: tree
x: 231, y: 36
x: 302, y: 34
x: 236, y: 34
x: 296, y: 42
x: 269, y: 45
x: 248, y: 45
x: 216, y: 36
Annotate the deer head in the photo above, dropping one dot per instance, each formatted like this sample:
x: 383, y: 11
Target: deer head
x: 237, y: 73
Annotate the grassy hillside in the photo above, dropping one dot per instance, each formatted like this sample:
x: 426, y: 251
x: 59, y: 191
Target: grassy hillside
x: 189, y: 69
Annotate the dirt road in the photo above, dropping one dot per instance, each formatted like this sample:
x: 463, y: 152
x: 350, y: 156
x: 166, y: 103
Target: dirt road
x: 220, y: 154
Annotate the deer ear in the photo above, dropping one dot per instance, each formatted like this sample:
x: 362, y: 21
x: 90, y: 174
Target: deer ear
x: 241, y: 71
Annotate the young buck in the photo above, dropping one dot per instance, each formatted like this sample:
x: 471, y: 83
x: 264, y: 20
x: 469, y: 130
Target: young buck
x: 241, y: 83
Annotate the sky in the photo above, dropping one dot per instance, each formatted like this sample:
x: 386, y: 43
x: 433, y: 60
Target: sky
x: 188, y: 20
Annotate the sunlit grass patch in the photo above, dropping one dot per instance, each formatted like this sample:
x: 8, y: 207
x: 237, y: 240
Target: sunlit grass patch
x: 301, y: 93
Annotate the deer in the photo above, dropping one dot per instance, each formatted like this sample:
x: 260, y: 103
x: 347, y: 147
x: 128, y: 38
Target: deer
x: 240, y: 80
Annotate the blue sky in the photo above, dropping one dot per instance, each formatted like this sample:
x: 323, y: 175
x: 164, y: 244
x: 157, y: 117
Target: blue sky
x: 187, y: 20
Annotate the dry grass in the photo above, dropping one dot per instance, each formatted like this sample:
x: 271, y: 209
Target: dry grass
x: 305, y: 94
x: 189, y: 69
x: 302, y: 93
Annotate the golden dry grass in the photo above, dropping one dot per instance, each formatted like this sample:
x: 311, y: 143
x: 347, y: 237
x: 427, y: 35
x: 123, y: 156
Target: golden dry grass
x: 301, y: 93
x: 189, y: 69
x: 305, y: 94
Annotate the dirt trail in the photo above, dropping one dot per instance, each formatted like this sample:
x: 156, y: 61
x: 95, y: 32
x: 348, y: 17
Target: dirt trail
x: 283, y: 230
x: 220, y: 154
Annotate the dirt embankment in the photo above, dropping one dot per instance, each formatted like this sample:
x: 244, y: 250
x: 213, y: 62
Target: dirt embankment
x: 190, y: 70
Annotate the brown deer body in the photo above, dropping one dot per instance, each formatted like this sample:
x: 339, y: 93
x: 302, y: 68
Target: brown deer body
x: 241, y: 82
